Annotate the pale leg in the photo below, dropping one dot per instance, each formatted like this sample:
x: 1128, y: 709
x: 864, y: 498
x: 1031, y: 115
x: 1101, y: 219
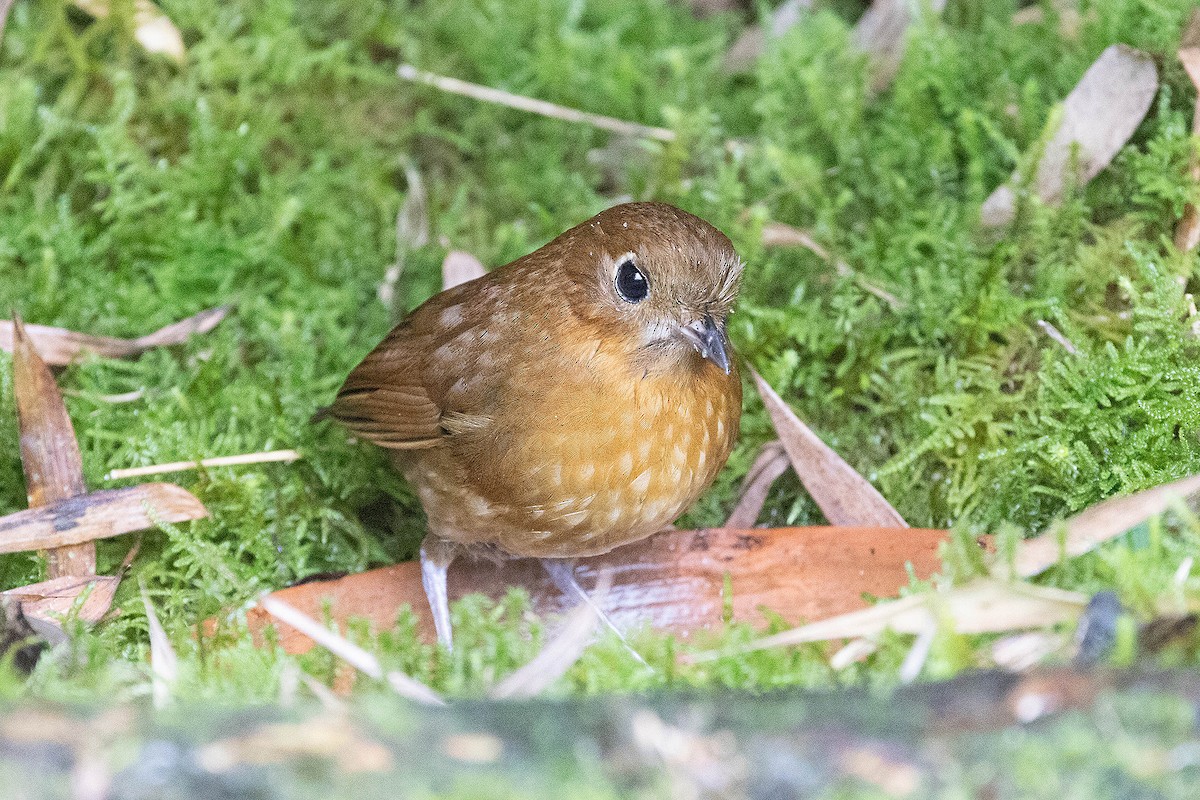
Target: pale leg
x: 563, y: 574
x: 437, y: 555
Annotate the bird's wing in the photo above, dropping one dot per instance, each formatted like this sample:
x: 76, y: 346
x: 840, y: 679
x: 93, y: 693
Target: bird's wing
x: 385, y: 400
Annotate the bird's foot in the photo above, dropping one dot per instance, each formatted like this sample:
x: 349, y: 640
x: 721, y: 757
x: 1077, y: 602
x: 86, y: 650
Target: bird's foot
x: 437, y: 554
x: 563, y: 574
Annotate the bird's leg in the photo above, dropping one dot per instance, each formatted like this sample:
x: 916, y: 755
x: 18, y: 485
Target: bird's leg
x: 562, y: 572
x: 437, y: 554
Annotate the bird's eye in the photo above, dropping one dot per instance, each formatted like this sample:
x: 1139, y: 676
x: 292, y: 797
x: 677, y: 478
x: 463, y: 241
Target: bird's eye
x: 631, y: 283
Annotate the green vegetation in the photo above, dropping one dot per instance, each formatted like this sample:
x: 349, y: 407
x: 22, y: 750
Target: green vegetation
x: 268, y: 171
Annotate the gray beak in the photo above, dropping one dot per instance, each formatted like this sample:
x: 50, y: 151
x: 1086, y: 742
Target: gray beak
x: 708, y: 337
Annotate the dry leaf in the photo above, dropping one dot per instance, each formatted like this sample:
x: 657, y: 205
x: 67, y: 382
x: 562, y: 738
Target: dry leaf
x: 844, y: 496
x: 98, y: 515
x: 59, y: 346
x: 50, y: 600
x: 460, y: 267
x: 49, y: 451
x: 563, y: 650
x: 1098, y: 117
x: 673, y: 580
x: 753, y: 42
x: 349, y: 652
x: 772, y: 462
x: 1022, y: 651
x: 1098, y: 524
x: 1187, y: 232
x: 982, y: 606
x: 152, y: 28
x: 882, y: 33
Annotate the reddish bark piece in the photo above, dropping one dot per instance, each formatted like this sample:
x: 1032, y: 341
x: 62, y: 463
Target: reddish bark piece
x: 59, y: 346
x: 98, y: 515
x: 672, y: 580
x: 49, y: 451
x: 844, y: 496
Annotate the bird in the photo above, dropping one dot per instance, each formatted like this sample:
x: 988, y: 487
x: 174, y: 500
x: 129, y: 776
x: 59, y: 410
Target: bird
x: 577, y: 399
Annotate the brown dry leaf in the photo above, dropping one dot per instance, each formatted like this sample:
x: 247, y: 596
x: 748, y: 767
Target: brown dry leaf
x: 563, y: 650
x: 98, y: 515
x: 750, y: 45
x: 59, y: 346
x: 53, y: 599
x: 460, y: 267
x: 844, y: 496
x: 772, y: 462
x: 982, y: 606
x: 1098, y: 117
x: 882, y: 33
x: 1098, y: 524
x: 152, y: 28
x: 1187, y: 232
x: 49, y: 451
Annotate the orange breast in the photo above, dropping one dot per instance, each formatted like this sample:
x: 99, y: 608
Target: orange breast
x: 580, y: 462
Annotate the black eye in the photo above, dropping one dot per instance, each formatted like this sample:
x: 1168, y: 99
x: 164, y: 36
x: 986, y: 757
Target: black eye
x: 631, y: 283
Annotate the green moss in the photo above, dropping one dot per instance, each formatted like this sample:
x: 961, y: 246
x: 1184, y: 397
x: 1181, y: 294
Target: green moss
x: 267, y: 173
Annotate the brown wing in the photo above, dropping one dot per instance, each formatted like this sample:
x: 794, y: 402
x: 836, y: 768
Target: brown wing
x: 384, y: 400
x: 407, y: 393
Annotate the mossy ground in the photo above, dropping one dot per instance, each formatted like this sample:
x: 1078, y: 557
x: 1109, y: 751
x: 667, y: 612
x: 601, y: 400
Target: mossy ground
x: 268, y: 171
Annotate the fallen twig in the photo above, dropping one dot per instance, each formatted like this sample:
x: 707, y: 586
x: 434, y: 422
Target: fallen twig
x: 489, y: 95
x: 270, y: 456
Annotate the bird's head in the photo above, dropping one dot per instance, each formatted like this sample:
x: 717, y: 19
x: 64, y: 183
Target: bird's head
x: 657, y: 279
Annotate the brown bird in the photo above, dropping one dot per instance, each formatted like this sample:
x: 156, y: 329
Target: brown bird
x: 575, y: 400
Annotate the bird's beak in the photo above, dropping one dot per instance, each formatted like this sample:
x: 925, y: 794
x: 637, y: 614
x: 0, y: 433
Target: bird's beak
x: 708, y: 337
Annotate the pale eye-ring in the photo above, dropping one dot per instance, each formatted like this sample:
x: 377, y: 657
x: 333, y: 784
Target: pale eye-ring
x: 630, y: 282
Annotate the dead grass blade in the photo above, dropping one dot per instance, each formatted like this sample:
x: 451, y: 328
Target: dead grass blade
x: 489, y: 95
x: 151, y: 27
x: 882, y: 32
x: 1187, y: 232
x: 844, y: 496
x: 772, y: 462
x: 349, y: 652
x: 982, y: 606
x: 780, y: 234
x: 59, y: 346
x: 1098, y: 524
x: 1098, y: 117
x: 268, y: 457
x: 49, y: 451
x: 559, y: 653
x: 98, y: 515
x: 460, y: 267
x: 750, y: 46
x: 164, y: 663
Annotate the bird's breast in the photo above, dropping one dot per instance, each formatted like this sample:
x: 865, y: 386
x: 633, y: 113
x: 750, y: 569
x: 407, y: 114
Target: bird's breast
x: 583, y: 455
